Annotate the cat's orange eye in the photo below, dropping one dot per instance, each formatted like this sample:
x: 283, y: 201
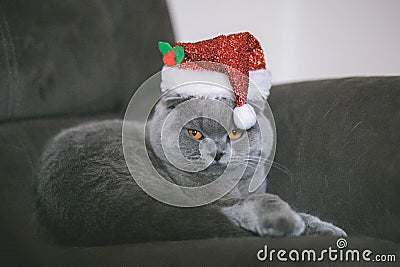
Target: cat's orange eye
x: 195, y: 134
x: 235, y: 134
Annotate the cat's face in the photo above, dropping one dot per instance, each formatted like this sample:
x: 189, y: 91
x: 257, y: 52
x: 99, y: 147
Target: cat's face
x: 219, y: 156
x: 191, y: 137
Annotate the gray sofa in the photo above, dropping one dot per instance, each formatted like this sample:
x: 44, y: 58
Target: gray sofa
x: 67, y: 62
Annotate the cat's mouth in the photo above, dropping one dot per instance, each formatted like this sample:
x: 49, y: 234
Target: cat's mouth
x: 218, y: 163
x: 216, y: 167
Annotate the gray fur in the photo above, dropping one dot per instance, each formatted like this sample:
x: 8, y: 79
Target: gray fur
x: 86, y: 195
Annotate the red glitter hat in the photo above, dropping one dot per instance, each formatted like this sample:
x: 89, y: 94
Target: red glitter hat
x: 228, y: 60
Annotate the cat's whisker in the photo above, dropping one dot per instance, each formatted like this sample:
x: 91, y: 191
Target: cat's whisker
x: 256, y: 160
x: 275, y: 164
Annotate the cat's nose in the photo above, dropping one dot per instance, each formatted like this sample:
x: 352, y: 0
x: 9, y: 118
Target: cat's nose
x: 219, y: 155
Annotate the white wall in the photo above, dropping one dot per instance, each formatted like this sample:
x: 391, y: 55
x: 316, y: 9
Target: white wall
x: 303, y: 39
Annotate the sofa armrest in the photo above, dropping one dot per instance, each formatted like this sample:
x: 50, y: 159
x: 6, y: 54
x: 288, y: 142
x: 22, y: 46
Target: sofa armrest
x: 338, y: 150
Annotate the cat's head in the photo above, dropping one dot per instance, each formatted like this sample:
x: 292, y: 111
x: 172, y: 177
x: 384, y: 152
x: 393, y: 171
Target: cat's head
x: 205, y: 130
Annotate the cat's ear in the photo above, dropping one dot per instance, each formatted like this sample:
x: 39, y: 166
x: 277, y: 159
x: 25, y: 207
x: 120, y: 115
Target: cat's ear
x: 171, y: 101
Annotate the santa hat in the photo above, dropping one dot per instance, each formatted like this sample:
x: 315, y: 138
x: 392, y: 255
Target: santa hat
x: 227, y: 60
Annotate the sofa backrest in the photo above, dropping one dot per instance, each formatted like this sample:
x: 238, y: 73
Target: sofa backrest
x: 73, y: 57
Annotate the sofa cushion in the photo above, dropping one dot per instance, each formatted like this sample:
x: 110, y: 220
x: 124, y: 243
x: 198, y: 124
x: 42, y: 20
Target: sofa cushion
x: 207, y: 252
x: 21, y: 144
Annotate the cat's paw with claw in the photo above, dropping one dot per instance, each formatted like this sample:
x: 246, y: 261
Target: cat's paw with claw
x: 280, y: 223
x: 266, y: 215
x: 314, y: 226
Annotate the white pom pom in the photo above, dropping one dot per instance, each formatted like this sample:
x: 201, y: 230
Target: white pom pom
x: 244, y: 117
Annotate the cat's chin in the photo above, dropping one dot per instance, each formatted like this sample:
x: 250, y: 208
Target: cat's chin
x: 215, y: 169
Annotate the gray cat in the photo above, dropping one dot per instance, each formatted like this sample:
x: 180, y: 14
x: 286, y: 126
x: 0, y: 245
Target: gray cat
x: 86, y: 194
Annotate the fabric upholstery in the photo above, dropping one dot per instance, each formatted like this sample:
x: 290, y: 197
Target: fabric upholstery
x: 340, y: 142
x: 206, y: 252
x: 21, y: 144
x: 73, y: 57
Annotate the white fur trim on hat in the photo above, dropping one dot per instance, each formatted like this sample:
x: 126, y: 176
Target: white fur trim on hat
x: 262, y: 80
x: 183, y: 81
x: 174, y: 78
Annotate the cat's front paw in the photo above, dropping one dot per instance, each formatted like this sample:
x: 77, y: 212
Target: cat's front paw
x: 314, y: 226
x: 278, y: 219
x: 266, y: 215
x: 281, y: 224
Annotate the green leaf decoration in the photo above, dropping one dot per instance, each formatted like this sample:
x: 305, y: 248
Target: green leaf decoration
x: 164, y: 47
x: 179, y: 54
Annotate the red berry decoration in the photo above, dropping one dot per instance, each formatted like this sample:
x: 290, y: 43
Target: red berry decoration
x: 169, y: 59
x: 172, y: 55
